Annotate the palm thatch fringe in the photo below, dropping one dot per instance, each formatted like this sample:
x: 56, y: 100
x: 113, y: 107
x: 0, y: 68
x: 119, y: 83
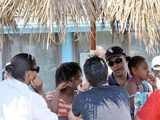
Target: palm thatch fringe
x: 140, y: 16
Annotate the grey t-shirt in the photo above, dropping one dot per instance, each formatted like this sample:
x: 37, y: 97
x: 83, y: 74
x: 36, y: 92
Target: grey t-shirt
x: 102, y: 103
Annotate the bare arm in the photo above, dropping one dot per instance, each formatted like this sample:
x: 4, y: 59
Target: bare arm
x: 52, y: 101
x: 132, y: 89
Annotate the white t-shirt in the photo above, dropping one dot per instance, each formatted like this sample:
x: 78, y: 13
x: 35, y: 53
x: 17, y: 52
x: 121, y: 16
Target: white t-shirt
x: 18, y: 102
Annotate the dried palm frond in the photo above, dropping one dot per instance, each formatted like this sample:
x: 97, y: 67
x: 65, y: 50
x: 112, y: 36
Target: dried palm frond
x: 52, y: 12
x: 139, y: 16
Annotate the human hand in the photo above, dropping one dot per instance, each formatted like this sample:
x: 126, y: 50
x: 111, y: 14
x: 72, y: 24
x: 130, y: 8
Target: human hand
x: 84, y: 86
x: 152, y: 80
x: 37, y: 85
x: 49, y: 97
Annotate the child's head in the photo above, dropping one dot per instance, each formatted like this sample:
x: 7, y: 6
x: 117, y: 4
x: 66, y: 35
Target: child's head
x: 96, y: 71
x: 138, y: 67
x: 69, y: 72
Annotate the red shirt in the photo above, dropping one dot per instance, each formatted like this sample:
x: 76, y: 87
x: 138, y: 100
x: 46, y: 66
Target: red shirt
x: 151, y: 109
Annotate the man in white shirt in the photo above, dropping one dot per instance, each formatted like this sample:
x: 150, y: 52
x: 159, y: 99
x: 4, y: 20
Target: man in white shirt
x: 17, y: 101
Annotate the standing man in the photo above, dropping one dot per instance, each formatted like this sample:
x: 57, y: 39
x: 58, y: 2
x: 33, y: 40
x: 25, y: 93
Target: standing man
x: 18, y: 101
x: 100, y: 102
x: 117, y: 61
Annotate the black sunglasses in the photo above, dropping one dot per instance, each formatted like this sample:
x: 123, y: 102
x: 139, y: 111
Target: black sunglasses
x: 36, y: 68
x: 116, y: 61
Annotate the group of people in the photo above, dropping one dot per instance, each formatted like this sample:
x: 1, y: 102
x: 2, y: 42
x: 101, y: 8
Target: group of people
x: 128, y: 93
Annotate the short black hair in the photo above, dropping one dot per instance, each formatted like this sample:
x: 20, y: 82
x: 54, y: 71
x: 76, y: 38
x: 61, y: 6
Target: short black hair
x: 20, y: 64
x: 96, y: 71
x: 8, y: 68
x: 66, y: 71
x: 135, y: 61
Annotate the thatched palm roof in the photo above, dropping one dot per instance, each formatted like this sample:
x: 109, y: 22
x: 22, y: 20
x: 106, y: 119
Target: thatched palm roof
x: 141, y: 16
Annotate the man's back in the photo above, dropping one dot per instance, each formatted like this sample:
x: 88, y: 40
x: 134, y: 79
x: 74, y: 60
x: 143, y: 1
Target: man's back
x: 19, y: 103
x: 105, y: 103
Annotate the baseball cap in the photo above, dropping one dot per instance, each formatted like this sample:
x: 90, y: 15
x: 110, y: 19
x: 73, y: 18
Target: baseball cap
x: 114, y: 51
x: 156, y: 63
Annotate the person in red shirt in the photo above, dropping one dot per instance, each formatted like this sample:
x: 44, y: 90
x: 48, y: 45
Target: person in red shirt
x: 151, y: 109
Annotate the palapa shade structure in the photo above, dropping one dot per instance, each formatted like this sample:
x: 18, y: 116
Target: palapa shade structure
x: 139, y: 16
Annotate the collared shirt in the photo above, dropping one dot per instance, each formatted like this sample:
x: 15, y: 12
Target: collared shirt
x: 18, y: 102
x: 112, y: 80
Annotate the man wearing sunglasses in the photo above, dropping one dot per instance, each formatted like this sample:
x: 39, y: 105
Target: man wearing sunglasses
x: 18, y: 101
x: 36, y: 84
x: 117, y: 61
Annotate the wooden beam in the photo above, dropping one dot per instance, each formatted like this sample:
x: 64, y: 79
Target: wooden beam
x: 1, y: 50
x: 129, y: 41
x: 36, y: 28
x: 93, y: 36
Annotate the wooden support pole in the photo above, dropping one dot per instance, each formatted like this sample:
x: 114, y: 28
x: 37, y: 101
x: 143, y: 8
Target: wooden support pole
x: 1, y: 50
x: 129, y: 41
x: 93, y: 36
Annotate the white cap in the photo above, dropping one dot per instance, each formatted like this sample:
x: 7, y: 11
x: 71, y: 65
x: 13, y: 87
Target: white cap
x: 156, y: 63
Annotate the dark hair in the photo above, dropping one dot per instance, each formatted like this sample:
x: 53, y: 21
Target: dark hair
x: 20, y: 64
x: 8, y: 68
x: 114, y: 51
x: 135, y: 62
x: 96, y: 71
x: 128, y: 58
x: 66, y: 71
